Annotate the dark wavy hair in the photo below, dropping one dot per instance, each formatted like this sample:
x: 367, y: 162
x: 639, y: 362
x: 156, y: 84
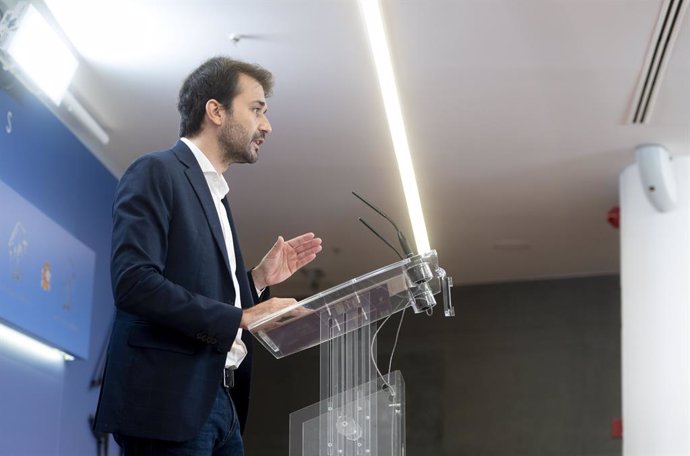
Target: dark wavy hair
x: 214, y: 79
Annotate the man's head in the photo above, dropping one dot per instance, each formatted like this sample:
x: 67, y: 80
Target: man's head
x: 230, y: 95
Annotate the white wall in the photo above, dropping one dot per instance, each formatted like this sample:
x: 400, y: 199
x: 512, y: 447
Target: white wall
x: 655, y: 281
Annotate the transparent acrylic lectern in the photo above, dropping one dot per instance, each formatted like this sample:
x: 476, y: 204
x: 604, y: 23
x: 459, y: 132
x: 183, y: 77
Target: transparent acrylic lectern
x: 361, y: 411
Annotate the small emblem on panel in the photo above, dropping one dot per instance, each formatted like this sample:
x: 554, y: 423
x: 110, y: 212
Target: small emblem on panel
x: 45, y: 276
x: 17, y: 245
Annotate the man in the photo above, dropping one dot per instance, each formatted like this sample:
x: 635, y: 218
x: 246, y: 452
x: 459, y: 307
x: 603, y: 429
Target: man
x: 177, y: 376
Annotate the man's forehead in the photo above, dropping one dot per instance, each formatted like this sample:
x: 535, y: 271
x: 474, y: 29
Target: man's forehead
x: 250, y: 87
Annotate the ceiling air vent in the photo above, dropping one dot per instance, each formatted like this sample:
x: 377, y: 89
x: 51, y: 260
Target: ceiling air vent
x: 665, y: 34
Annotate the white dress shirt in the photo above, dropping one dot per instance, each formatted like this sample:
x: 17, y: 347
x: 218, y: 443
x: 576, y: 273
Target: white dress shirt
x: 219, y: 188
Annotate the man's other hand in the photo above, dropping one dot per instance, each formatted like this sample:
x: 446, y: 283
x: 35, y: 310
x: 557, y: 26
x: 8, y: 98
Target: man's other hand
x: 264, y: 309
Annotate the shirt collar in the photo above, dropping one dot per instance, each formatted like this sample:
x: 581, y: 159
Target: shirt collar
x: 215, y: 180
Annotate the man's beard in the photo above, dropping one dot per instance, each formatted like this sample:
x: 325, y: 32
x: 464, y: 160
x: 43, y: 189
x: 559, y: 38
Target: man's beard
x: 236, y: 144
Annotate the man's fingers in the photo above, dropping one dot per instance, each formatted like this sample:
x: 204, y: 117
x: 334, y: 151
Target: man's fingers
x: 264, y: 309
x: 302, y: 239
x: 307, y: 246
x: 310, y: 250
x: 305, y: 260
x: 276, y: 304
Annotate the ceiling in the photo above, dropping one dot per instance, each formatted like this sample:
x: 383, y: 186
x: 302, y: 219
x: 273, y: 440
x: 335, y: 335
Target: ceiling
x: 517, y: 116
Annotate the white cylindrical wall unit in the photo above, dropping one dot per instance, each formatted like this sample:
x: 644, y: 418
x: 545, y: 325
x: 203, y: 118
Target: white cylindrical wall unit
x: 655, y: 289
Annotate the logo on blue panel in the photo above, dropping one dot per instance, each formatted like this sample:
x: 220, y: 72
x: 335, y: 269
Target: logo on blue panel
x: 18, y: 245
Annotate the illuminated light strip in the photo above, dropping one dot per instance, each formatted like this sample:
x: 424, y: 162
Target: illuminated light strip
x: 384, y: 68
x: 30, y: 346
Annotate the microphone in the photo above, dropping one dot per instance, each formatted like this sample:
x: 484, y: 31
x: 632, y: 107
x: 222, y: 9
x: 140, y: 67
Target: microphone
x: 380, y: 237
x: 401, y: 237
x: 418, y: 271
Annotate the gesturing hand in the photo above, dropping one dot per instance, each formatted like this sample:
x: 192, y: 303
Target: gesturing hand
x: 284, y: 258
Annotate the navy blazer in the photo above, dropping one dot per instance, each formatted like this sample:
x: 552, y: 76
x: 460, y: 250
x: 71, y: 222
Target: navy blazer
x: 175, y: 320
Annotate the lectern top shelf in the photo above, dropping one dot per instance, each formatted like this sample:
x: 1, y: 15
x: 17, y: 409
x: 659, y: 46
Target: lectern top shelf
x: 350, y: 305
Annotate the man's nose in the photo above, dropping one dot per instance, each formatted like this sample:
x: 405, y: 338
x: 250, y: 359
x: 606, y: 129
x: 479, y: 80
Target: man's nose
x: 265, y: 125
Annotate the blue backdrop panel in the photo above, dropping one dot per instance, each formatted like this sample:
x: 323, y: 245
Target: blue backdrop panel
x: 46, y: 279
x: 45, y: 405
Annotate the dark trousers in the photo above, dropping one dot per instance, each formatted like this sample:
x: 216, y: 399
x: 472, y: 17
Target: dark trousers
x: 219, y: 436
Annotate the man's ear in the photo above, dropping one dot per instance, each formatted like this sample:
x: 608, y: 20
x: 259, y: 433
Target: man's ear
x: 214, y: 112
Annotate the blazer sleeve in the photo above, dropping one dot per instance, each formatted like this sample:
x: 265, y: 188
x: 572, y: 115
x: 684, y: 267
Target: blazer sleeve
x: 257, y: 297
x: 142, y: 217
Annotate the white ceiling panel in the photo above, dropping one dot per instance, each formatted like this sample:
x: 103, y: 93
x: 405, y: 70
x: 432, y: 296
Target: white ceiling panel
x: 516, y: 114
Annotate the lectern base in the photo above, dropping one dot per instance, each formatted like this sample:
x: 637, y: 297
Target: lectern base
x: 368, y: 420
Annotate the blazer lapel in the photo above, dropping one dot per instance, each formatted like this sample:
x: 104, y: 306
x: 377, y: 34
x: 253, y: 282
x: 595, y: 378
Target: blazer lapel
x: 241, y: 272
x: 198, y: 182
